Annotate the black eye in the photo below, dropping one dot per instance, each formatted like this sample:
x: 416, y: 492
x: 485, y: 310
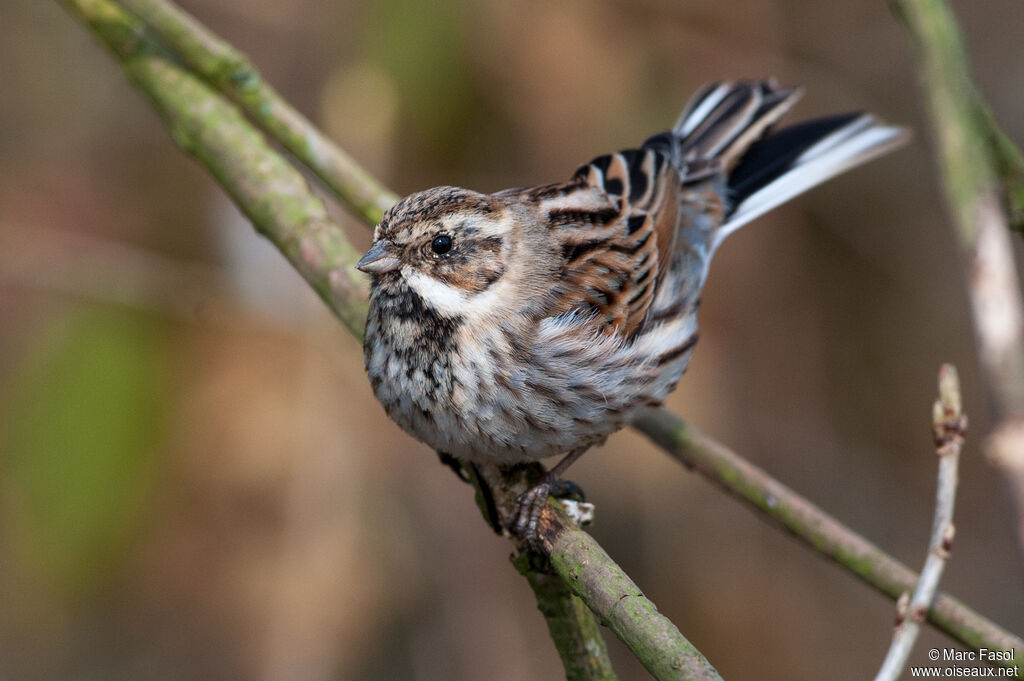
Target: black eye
x: 441, y: 244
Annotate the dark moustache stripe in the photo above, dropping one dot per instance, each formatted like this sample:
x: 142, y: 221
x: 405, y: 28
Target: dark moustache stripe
x: 434, y: 332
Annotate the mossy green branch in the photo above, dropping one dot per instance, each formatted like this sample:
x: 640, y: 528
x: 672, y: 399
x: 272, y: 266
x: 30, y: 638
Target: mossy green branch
x: 1009, y: 165
x: 231, y: 72
x: 264, y: 185
x: 571, y: 625
x: 592, y: 576
x: 618, y: 602
x: 827, y: 536
x: 972, y: 154
x: 976, y: 155
x: 944, y: 69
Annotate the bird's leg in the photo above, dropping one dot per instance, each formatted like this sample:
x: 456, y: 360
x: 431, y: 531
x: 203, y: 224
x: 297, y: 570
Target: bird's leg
x: 457, y: 466
x: 469, y: 473
x: 531, y: 502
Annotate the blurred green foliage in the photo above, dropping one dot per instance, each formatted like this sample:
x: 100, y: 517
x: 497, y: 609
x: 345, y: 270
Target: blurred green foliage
x: 423, y: 48
x: 82, y: 420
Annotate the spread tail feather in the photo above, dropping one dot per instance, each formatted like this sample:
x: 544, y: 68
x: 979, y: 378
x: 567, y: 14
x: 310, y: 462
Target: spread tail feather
x: 726, y: 129
x: 800, y: 157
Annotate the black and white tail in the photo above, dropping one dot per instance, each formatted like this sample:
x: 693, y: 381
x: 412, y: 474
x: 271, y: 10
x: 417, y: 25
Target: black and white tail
x: 726, y: 131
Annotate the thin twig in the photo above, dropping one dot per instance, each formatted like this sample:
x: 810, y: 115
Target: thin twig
x: 817, y: 529
x: 231, y: 72
x: 948, y: 426
x: 972, y: 153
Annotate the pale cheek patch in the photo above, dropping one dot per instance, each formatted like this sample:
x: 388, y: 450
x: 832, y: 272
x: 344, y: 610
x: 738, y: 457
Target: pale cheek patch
x: 452, y: 301
x: 447, y: 300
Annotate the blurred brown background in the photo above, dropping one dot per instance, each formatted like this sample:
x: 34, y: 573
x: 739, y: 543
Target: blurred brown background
x: 195, y: 482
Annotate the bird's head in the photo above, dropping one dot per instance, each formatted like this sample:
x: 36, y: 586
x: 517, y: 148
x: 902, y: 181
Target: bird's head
x: 447, y: 244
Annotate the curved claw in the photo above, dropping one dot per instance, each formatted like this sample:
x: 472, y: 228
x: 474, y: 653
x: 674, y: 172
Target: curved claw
x: 526, y: 516
x: 529, y: 505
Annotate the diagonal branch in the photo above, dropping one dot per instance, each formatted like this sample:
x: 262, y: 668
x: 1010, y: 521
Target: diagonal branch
x: 592, y: 576
x: 811, y: 525
x: 571, y: 625
x: 231, y: 72
x: 268, y: 189
x: 949, y: 424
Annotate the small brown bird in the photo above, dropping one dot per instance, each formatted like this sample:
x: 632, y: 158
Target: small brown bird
x: 532, y: 322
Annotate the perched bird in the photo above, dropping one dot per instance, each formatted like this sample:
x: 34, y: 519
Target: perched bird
x: 537, y: 321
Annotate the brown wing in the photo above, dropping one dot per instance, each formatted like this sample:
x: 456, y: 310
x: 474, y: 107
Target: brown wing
x: 616, y: 226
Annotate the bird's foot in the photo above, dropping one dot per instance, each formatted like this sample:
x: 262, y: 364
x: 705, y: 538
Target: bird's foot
x: 529, y: 505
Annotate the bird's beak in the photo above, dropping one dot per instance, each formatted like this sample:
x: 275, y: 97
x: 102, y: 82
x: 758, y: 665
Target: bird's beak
x: 379, y: 259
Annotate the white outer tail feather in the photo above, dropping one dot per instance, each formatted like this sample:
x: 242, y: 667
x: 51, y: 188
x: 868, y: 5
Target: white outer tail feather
x: 689, y: 120
x: 860, y: 141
